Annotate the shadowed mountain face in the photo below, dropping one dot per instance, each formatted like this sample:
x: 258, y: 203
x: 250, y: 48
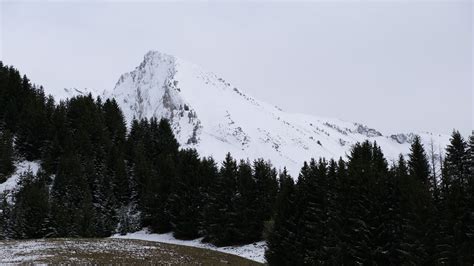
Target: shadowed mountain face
x: 210, y: 114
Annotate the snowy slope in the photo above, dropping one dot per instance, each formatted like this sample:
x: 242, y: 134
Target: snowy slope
x: 211, y: 115
x: 21, y: 167
x: 255, y: 251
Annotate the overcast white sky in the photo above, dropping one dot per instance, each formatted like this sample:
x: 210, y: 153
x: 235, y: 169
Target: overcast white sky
x: 397, y: 66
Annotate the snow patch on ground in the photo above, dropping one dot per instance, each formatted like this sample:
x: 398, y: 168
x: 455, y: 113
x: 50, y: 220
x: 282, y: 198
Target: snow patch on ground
x: 255, y: 251
x: 23, y: 252
x: 21, y: 167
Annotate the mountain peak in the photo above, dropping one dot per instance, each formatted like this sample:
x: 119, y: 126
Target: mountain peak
x: 155, y: 57
x: 208, y: 113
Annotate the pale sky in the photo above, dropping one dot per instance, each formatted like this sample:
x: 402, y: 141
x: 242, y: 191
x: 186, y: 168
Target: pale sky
x: 397, y: 66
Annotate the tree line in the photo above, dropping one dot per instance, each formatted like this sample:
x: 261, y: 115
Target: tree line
x: 364, y: 211
x: 97, y: 178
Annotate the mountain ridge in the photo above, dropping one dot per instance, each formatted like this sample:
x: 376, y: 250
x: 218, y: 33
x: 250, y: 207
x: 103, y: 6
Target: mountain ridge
x: 208, y: 113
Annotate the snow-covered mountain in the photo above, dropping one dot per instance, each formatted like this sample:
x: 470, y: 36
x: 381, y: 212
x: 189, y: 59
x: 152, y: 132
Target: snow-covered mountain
x: 210, y: 114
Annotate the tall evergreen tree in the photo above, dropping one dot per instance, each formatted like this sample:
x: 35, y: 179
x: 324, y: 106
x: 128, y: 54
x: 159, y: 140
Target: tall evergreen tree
x: 266, y: 185
x: 185, y: 201
x: 406, y: 245
x: 469, y: 211
x: 221, y: 216
x: 418, y: 165
x: 421, y: 204
x: 281, y: 249
x: 162, y: 149
x: 333, y: 247
x: 315, y: 216
x: 6, y: 155
x: 356, y: 231
x: 456, y: 219
x: 117, y: 173
x: 31, y: 209
x: 455, y: 164
x: 71, y: 200
x: 247, y: 205
x: 115, y: 123
x: 6, y: 221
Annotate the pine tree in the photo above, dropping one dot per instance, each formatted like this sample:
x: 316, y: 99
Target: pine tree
x: 185, y: 201
x: 356, y: 231
x: 455, y: 201
x: 6, y: 155
x: 421, y: 206
x: 468, y: 245
x: 138, y: 164
x: 60, y: 139
x: 31, y: 209
x: 71, y: 200
x: 314, y: 219
x: 162, y: 153
x: 117, y: 172
x: 455, y: 163
x: 418, y: 165
x: 33, y: 125
x: 247, y: 205
x: 402, y: 246
x: 115, y: 123
x: 221, y: 215
x: 471, y: 157
x: 116, y: 133
x: 6, y: 221
x: 209, y: 174
x: 332, y: 246
x: 102, y: 195
x: 266, y: 185
x: 281, y: 249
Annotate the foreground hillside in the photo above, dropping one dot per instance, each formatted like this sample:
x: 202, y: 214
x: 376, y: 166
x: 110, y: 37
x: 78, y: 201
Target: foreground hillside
x: 111, y: 251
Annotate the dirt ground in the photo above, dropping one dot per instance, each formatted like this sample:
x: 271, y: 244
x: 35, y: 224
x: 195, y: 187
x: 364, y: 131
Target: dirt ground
x: 111, y: 251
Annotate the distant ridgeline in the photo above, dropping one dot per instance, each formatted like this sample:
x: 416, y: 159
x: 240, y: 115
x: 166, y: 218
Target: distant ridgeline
x: 97, y: 178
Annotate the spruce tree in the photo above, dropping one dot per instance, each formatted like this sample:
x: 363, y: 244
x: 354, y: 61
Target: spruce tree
x: 455, y: 163
x: 209, y: 172
x: 247, y: 205
x: 332, y: 246
x: 162, y: 151
x: 60, y: 139
x: 404, y: 243
x: 221, y: 215
x: 71, y: 200
x: 455, y: 203
x: 115, y: 123
x: 185, y: 201
x: 117, y: 173
x: 266, y: 185
x: 418, y: 165
x: 356, y: 231
x: 31, y: 209
x: 116, y: 133
x: 280, y: 242
x: 314, y: 218
x: 33, y: 125
x: 6, y: 221
x: 6, y: 155
x: 468, y: 245
x: 421, y: 204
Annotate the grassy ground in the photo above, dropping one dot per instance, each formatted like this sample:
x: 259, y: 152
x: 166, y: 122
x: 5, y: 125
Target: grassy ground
x: 111, y: 251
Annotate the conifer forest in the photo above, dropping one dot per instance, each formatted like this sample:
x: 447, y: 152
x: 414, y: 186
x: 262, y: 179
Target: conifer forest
x: 100, y: 176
